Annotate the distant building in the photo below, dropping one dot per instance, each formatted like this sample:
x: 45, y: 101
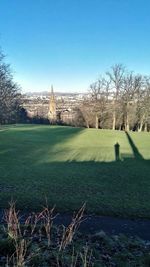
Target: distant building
x: 52, y: 115
x: 57, y: 108
x: 58, y: 114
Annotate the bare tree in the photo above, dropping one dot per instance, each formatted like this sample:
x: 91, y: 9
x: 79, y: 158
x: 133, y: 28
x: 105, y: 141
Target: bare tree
x: 100, y: 97
x: 87, y: 112
x: 116, y: 76
x: 121, y: 100
x: 143, y: 104
x: 131, y: 84
x: 9, y: 93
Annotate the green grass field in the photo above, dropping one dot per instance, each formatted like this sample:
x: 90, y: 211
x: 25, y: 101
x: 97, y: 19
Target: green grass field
x: 70, y: 166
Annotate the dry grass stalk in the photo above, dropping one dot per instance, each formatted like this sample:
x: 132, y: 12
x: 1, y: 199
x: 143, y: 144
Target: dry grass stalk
x: 33, y: 220
x: 47, y: 221
x: 74, y: 259
x: 86, y: 257
x: 12, y: 220
x: 68, y: 232
x: 14, y: 232
x: 21, y: 251
x: 61, y: 259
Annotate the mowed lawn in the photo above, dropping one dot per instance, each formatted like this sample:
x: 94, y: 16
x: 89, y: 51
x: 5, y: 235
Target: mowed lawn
x: 70, y: 166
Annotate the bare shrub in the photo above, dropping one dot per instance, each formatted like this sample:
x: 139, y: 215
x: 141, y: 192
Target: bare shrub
x: 69, y: 231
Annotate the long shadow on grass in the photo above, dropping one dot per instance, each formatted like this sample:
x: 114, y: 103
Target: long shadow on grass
x: 114, y: 188
x: 109, y: 188
x: 135, y: 150
x: 30, y: 144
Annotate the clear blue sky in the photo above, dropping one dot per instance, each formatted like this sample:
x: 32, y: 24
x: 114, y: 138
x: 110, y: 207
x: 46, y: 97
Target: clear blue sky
x: 68, y: 43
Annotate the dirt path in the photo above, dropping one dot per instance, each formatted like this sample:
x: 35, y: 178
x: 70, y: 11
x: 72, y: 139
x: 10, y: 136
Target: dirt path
x: 110, y: 225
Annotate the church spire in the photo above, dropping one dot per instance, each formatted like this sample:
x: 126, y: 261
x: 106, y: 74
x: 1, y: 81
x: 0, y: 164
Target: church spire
x: 52, y: 97
x: 52, y: 106
x: 52, y: 90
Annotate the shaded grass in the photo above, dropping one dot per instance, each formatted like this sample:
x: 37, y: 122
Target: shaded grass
x: 72, y: 165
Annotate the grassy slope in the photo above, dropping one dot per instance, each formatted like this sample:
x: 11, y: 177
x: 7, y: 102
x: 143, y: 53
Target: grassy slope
x: 72, y: 165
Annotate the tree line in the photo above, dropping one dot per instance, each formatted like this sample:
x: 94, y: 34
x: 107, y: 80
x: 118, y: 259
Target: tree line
x: 11, y: 110
x: 119, y: 100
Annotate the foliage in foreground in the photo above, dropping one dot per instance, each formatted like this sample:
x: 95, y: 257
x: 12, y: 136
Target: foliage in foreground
x: 38, y: 242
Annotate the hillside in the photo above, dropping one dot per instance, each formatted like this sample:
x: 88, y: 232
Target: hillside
x: 69, y: 166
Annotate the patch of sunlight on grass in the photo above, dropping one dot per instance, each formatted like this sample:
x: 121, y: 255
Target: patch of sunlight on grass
x: 89, y: 145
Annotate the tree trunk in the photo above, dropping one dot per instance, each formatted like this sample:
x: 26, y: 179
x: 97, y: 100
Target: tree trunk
x: 87, y: 124
x: 127, y: 123
x: 141, y: 124
x: 96, y: 122
x: 145, y: 127
x: 114, y: 121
